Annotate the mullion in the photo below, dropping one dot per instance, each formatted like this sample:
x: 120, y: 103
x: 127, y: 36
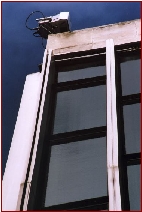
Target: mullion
x: 123, y: 179
x: 75, y: 65
x: 98, y: 203
x: 63, y: 138
x: 79, y: 54
x: 82, y: 83
x: 133, y: 159
x: 127, y: 46
x: 131, y: 99
x: 94, y: 58
x: 132, y: 54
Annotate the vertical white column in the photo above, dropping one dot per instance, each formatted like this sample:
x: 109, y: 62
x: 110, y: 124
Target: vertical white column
x: 115, y: 131
x: 112, y: 131
x: 109, y: 129
x: 46, y: 69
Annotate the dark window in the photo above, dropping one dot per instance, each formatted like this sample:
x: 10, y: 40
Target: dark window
x: 81, y: 73
x: 132, y: 128
x: 130, y: 73
x: 73, y: 169
x: 79, y: 109
x: 77, y: 171
x: 134, y: 185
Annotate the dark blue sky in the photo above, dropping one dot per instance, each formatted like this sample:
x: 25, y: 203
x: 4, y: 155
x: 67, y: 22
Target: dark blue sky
x: 22, y: 52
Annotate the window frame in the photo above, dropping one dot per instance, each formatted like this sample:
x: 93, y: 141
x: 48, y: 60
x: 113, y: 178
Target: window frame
x: 69, y: 136
x: 122, y: 51
x: 47, y: 123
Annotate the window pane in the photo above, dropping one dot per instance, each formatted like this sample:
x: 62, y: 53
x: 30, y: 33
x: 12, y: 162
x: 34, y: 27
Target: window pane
x: 132, y: 128
x: 134, y: 186
x: 77, y: 171
x: 81, y: 73
x: 80, y: 109
x: 130, y: 74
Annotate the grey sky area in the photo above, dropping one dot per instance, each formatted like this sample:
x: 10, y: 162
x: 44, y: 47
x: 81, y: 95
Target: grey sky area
x: 22, y: 52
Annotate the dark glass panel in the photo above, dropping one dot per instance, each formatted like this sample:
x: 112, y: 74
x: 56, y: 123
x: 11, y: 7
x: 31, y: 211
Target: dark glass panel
x: 132, y: 128
x: 134, y: 186
x: 80, y: 109
x: 130, y: 77
x: 77, y: 171
x: 81, y: 73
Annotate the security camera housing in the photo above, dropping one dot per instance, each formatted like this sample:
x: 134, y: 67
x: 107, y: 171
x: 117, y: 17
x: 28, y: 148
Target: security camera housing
x: 53, y: 24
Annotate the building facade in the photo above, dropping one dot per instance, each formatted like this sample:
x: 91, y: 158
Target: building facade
x: 76, y: 143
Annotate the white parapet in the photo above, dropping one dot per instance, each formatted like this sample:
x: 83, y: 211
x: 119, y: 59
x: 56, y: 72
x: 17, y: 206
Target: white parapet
x: 16, y: 166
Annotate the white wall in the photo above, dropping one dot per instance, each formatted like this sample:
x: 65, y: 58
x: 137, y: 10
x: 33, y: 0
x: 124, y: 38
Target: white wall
x: 16, y: 166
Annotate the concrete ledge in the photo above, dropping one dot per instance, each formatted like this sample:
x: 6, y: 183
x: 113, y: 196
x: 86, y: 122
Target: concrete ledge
x: 92, y: 38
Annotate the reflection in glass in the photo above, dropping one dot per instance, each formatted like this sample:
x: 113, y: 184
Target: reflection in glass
x: 132, y: 128
x: 80, y: 109
x: 77, y: 171
x: 134, y: 186
x: 130, y: 74
x: 81, y: 73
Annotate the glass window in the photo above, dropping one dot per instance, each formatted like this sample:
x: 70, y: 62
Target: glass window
x: 77, y: 171
x: 80, y: 109
x: 134, y: 186
x: 130, y: 74
x: 81, y: 73
x: 132, y: 128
